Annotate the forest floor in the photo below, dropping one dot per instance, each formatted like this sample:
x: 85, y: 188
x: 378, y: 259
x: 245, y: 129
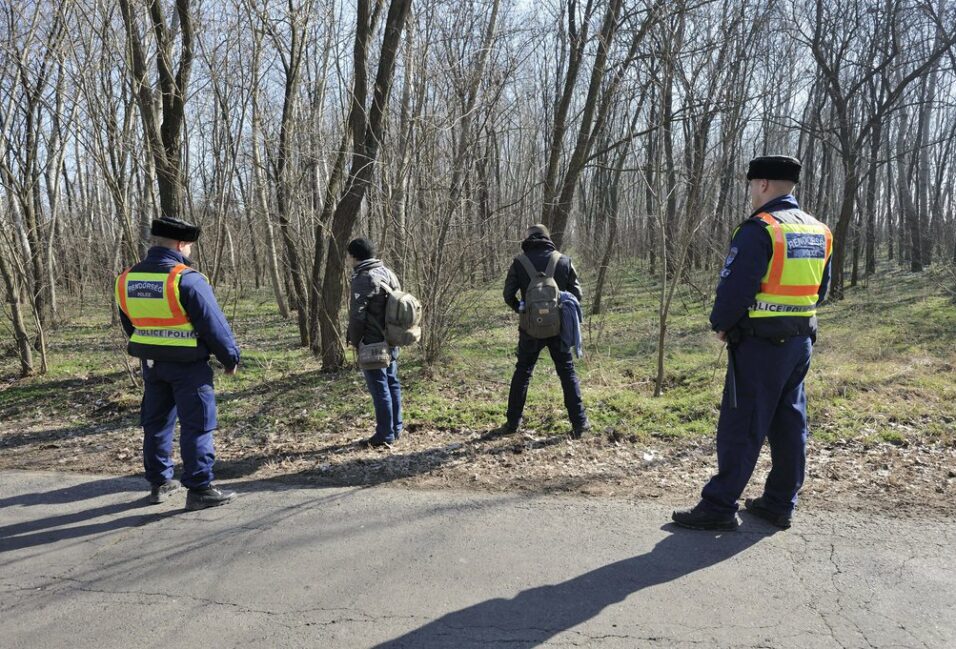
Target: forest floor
x: 882, y: 404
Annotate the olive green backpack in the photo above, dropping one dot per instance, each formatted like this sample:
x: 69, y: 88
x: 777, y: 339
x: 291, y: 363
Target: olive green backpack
x: 542, y: 300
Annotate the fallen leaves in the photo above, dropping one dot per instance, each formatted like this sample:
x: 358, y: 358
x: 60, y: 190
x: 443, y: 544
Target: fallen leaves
x: 862, y: 474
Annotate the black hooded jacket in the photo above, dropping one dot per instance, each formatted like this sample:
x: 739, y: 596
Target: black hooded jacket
x: 538, y: 248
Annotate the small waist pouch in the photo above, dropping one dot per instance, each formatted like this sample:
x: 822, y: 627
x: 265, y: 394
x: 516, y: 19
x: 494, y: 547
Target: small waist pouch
x: 374, y: 356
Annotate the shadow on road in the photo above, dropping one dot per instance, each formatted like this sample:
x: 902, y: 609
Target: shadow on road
x: 78, y: 525
x: 94, y: 488
x: 12, y: 538
x: 51, y: 529
x: 538, y: 614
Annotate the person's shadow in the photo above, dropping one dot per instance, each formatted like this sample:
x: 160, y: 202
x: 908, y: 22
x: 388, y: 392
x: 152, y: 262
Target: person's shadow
x: 35, y: 532
x: 538, y: 614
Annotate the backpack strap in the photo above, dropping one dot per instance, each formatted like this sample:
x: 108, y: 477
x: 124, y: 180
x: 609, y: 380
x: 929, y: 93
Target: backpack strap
x: 534, y: 272
x: 528, y: 266
x: 382, y: 284
x: 552, y: 264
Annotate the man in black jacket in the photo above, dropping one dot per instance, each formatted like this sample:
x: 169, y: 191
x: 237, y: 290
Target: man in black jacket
x: 367, y: 325
x: 538, y: 247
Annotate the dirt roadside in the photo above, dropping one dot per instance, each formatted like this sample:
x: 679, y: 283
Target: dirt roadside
x: 908, y: 478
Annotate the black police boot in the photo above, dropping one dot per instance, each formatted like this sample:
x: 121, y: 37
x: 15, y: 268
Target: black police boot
x: 161, y: 492
x: 577, y: 432
x: 511, y: 427
x: 208, y: 496
x: 699, y: 519
x: 758, y: 507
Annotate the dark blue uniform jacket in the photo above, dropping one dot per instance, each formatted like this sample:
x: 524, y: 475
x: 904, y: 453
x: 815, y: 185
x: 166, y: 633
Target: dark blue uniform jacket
x: 199, y: 303
x: 744, y: 267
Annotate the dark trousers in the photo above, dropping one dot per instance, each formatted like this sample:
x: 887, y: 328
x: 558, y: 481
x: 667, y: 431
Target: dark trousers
x: 182, y: 390
x: 386, y: 391
x: 528, y: 350
x: 772, y: 405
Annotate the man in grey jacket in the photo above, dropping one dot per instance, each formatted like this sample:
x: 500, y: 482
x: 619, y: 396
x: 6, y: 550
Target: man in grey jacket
x: 367, y: 325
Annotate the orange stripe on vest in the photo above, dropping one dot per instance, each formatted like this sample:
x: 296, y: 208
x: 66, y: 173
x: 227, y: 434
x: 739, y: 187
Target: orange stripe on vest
x: 773, y: 284
x: 122, y: 292
x: 178, y: 318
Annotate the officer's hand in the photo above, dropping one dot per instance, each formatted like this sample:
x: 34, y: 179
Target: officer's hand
x: 722, y: 336
x: 233, y: 371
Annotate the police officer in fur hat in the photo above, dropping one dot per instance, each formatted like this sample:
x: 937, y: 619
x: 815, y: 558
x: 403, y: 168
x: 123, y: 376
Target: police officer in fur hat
x: 775, y: 274
x: 174, y: 324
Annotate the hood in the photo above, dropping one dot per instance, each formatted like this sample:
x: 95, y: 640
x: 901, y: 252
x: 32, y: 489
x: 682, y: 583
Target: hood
x: 368, y: 264
x: 537, y: 242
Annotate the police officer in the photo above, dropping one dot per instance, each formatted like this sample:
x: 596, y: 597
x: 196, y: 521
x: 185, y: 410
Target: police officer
x: 775, y: 274
x: 540, y: 256
x: 174, y: 323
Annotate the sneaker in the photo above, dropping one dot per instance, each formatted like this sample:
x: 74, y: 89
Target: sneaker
x: 699, y: 519
x: 758, y: 507
x: 577, y: 432
x: 376, y: 442
x: 208, y: 496
x: 160, y: 493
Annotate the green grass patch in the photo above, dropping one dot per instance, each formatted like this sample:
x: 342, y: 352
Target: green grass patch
x: 883, y: 370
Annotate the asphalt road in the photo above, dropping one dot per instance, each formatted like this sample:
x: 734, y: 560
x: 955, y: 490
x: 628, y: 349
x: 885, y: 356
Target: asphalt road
x: 84, y: 562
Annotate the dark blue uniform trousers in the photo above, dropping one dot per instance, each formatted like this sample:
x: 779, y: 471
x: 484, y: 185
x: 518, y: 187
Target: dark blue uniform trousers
x: 184, y: 390
x: 772, y: 405
x: 528, y: 351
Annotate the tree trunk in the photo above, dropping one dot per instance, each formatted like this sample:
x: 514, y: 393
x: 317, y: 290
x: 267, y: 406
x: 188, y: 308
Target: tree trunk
x: 259, y: 188
x: 840, y: 234
x: 855, y: 272
x: 164, y: 139
x: 20, y: 334
x: 907, y: 207
x: 871, y: 206
x: 366, y: 136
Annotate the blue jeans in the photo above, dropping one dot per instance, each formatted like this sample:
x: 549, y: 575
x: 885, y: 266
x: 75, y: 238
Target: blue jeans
x: 182, y: 390
x: 771, y: 405
x: 528, y: 351
x: 386, y: 393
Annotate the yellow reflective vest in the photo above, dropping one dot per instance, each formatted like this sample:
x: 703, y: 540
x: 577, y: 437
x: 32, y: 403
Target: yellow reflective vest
x: 151, y: 302
x: 801, y: 250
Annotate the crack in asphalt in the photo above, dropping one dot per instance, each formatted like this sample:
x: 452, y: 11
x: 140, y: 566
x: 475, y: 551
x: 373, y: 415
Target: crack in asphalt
x: 812, y: 590
x: 364, y: 616
x: 840, y: 572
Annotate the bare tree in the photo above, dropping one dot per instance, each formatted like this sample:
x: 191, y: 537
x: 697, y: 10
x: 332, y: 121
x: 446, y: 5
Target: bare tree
x: 367, y: 127
x: 163, y: 129
x: 877, y: 36
x: 623, y: 124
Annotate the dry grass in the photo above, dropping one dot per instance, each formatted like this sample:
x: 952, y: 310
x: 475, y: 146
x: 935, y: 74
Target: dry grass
x: 882, y: 404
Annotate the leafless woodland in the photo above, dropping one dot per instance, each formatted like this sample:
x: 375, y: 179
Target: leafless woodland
x: 442, y: 128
